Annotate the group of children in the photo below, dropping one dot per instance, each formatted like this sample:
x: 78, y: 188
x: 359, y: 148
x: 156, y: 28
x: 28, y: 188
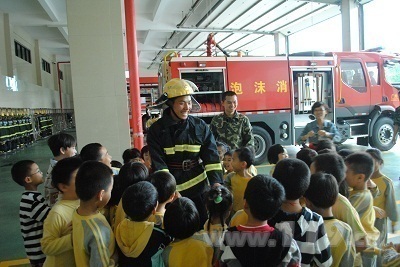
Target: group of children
x: 94, y: 214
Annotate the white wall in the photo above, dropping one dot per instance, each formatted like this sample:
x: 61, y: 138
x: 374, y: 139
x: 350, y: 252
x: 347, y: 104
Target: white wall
x: 31, y: 96
x: 47, y: 78
x: 25, y: 93
x: 3, y: 63
x: 22, y: 69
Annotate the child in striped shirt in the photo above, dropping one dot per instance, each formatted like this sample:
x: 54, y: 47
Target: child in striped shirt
x: 304, y: 225
x: 32, y: 210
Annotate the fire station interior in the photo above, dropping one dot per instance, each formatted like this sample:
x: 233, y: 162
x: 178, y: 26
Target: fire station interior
x: 90, y: 68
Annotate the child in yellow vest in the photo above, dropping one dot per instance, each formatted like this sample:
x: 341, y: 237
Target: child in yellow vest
x: 237, y: 181
x: 181, y: 221
x: 57, y: 228
x: 320, y: 197
x: 384, y: 199
x: 360, y: 167
x: 165, y: 184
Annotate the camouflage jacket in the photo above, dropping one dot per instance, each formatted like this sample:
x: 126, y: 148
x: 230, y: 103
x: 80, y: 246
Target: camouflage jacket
x: 236, y: 132
x: 396, y: 116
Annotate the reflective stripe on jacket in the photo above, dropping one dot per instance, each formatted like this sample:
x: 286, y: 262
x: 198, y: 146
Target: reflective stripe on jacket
x: 173, y: 142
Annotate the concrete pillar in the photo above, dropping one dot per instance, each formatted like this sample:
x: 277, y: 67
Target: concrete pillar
x: 280, y: 44
x: 8, y: 46
x: 98, y: 77
x: 350, y: 26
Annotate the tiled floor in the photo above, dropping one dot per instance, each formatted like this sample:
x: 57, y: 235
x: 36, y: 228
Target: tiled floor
x: 11, y: 244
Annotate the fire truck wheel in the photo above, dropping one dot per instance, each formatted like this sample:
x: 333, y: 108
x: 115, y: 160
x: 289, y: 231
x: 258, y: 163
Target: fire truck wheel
x: 262, y: 141
x: 382, y: 134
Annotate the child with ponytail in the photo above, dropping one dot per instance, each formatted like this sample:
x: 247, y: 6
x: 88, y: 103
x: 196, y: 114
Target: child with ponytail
x: 219, y: 205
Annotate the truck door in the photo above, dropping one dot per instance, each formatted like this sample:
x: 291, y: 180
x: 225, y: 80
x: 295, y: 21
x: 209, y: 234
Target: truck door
x: 354, y: 94
x: 309, y: 86
x: 374, y: 80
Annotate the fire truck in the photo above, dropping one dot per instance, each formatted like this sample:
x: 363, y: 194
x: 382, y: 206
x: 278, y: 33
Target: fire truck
x: 276, y: 93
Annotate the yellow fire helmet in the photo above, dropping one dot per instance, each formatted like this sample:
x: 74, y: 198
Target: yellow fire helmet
x: 176, y: 88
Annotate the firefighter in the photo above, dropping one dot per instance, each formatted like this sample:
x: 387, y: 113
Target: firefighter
x: 184, y: 145
x: 396, y: 123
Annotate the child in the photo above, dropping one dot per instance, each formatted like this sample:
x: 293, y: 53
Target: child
x: 307, y: 155
x: 325, y: 144
x: 305, y: 226
x: 116, y: 164
x: 130, y: 173
x: 263, y: 197
x: 385, y: 198
x: 344, y: 152
x: 132, y: 154
x: 320, y: 197
x: 181, y: 221
x: 360, y: 167
x: 222, y: 149
x: 137, y: 238
x: 165, y: 184
x: 145, y: 154
x: 32, y: 210
x: 227, y: 163
x: 62, y: 146
x: 57, y: 232
x: 92, y: 237
x: 219, y: 205
x: 275, y: 154
x: 237, y: 181
x: 342, y: 209
x: 97, y: 152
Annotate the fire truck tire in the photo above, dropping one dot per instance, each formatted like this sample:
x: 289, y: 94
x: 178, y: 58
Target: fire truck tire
x: 262, y: 142
x: 382, y: 134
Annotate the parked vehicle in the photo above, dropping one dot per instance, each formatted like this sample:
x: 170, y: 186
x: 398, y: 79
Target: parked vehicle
x: 276, y: 93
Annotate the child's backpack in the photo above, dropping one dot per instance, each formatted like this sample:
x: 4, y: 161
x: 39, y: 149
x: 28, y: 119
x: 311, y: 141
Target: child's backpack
x: 157, y: 260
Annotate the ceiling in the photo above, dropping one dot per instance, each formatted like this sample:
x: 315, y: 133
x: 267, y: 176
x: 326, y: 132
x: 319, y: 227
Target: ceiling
x: 181, y: 25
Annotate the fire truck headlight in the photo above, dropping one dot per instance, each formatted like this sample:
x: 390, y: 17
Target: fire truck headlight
x: 284, y: 130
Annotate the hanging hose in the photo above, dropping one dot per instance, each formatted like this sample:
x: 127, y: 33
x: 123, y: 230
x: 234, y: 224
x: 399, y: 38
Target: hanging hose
x: 210, y: 42
x: 165, y: 65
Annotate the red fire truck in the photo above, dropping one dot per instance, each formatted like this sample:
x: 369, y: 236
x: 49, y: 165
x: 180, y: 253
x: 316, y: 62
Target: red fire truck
x: 276, y: 93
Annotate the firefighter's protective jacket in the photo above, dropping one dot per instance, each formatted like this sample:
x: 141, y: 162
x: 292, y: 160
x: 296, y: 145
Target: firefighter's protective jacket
x: 172, y: 143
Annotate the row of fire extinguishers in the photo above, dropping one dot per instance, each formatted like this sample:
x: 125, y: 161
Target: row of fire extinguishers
x: 17, y: 128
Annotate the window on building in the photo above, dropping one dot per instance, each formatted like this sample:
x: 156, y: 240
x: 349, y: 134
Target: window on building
x: 46, y: 66
x: 353, y: 75
x: 61, y: 75
x: 22, y: 52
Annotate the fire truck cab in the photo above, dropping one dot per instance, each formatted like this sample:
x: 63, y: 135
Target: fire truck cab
x: 276, y: 93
